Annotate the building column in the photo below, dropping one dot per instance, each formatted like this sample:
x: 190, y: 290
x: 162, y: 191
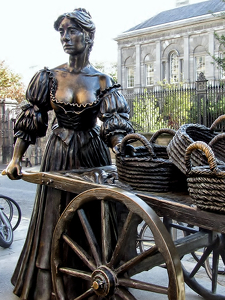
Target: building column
x: 209, y: 66
x: 158, y: 64
x: 138, y: 67
x: 186, y: 68
x: 119, y: 65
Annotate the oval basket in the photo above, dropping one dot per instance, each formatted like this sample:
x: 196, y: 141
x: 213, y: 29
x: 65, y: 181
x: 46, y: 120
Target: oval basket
x: 145, y: 172
x: 189, y: 133
x: 206, y: 184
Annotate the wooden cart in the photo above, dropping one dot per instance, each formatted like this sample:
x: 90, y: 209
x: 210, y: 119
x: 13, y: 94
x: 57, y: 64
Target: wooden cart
x: 127, y: 232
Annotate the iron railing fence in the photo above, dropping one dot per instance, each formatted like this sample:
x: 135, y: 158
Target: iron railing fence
x: 151, y: 110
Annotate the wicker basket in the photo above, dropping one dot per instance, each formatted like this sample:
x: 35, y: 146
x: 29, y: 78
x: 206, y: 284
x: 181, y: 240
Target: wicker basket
x: 160, y: 151
x: 189, y: 133
x: 206, y: 184
x: 145, y: 172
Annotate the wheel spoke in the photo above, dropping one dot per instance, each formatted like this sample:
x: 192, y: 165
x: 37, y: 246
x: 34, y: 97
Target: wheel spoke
x: 88, y: 293
x: 215, y: 264
x: 203, y: 258
x: 140, y: 285
x: 90, y: 236
x: 106, y: 232
x: 124, y: 294
x: 136, y: 260
x: 121, y: 240
x: 81, y: 253
x: 76, y: 273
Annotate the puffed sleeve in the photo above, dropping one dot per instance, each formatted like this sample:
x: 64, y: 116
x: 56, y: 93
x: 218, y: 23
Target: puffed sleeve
x: 114, y: 113
x: 32, y: 122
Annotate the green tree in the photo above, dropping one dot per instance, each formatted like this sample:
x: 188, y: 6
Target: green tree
x: 176, y: 104
x: 11, y: 85
x: 220, y: 60
x: 146, y: 115
x: 110, y: 69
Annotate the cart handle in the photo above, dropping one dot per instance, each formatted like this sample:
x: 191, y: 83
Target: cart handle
x: 134, y: 137
x: 206, y: 149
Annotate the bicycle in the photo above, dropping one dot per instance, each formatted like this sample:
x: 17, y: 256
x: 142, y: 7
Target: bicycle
x: 11, y: 210
x: 6, y: 232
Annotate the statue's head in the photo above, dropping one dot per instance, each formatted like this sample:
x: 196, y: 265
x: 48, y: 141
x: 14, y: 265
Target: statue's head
x: 82, y: 20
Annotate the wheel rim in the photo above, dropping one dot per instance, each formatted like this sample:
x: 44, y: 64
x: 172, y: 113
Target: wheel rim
x: 5, y: 229
x: 7, y: 207
x: 211, y: 261
x: 106, y: 269
x: 204, y: 269
x: 12, y: 210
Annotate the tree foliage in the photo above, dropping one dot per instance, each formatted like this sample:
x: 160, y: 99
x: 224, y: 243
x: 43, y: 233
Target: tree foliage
x: 11, y: 85
x: 220, y: 60
x: 110, y: 69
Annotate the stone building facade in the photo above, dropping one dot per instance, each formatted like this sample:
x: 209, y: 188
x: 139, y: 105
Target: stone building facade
x: 8, y: 112
x: 175, y: 46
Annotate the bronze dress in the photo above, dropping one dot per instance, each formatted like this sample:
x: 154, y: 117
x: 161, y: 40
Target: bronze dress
x: 76, y: 141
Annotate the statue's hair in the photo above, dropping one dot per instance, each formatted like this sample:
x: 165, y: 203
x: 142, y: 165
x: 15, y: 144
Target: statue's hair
x: 83, y: 19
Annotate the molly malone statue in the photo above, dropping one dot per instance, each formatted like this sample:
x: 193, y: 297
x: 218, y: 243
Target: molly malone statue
x: 78, y: 94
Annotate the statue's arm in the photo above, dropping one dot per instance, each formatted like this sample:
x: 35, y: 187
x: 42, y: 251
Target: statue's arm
x: 13, y: 169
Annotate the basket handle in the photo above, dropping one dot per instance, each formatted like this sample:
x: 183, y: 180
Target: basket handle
x: 135, y: 136
x: 216, y: 122
x: 159, y: 132
x: 216, y: 139
x: 207, y: 151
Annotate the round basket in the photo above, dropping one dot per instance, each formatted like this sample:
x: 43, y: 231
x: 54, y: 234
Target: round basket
x: 145, y: 172
x: 189, y: 133
x: 206, y: 184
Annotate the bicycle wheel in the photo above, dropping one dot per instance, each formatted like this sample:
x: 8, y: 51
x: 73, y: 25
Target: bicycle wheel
x: 7, y: 207
x: 6, y: 233
x: 11, y: 210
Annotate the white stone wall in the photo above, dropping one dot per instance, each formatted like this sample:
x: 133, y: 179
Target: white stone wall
x: 188, y: 38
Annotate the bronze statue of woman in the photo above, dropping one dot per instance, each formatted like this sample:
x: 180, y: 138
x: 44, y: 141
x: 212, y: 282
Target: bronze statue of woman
x: 78, y: 94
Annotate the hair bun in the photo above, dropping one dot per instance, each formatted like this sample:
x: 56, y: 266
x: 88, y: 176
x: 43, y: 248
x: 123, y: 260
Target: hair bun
x: 83, y: 10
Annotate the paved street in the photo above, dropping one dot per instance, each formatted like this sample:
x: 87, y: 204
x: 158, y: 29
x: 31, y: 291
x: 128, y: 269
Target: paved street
x: 24, y: 193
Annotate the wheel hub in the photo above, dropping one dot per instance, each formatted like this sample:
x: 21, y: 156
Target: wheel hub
x: 103, y: 281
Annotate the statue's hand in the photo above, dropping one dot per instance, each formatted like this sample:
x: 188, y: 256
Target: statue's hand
x: 129, y: 150
x: 13, y: 170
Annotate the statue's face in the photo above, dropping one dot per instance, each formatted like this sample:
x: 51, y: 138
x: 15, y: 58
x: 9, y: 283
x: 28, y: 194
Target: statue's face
x: 72, y: 37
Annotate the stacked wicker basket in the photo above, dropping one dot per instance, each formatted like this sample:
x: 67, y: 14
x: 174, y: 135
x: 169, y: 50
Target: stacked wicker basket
x: 148, y: 168
x: 194, y: 158
x: 199, y: 152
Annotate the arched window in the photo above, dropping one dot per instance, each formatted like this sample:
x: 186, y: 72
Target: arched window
x: 221, y: 70
x: 129, y: 64
x: 199, y: 61
x: 149, y: 72
x: 174, y: 67
x: 130, y: 77
x: 199, y: 65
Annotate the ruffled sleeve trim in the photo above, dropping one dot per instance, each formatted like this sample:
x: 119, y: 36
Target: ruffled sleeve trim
x: 114, y: 113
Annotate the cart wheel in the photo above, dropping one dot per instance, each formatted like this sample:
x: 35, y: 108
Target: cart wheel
x: 211, y: 261
x: 204, y: 269
x: 94, y: 250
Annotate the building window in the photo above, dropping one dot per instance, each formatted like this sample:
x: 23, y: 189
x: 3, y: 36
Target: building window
x: 174, y: 68
x: 199, y: 65
x: 149, y: 74
x: 163, y: 70
x: 222, y: 72
x: 130, y: 77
